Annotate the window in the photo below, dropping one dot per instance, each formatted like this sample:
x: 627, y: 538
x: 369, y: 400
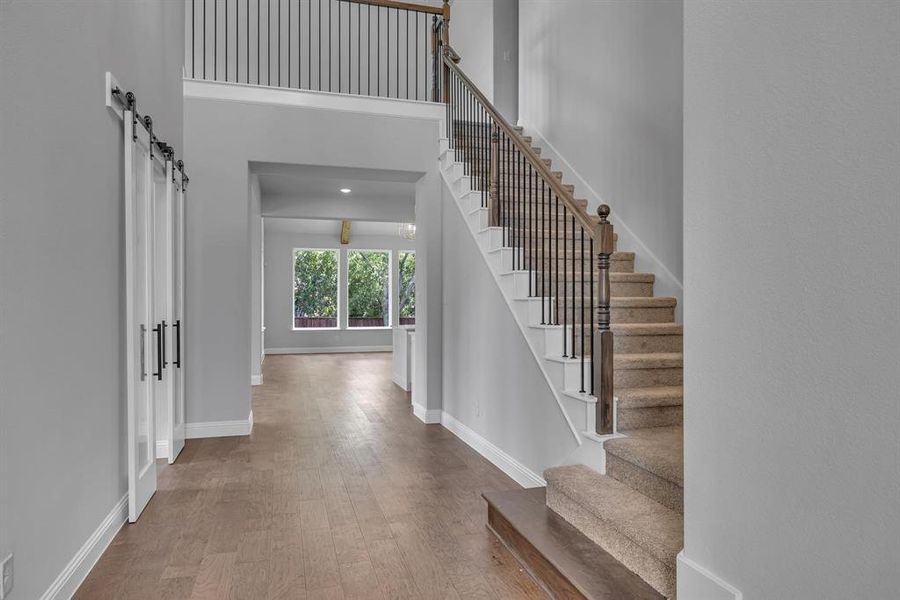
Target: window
x: 315, y: 289
x: 407, y: 274
x: 368, y: 288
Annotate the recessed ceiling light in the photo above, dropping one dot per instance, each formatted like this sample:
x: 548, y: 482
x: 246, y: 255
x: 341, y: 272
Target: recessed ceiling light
x: 346, y: 190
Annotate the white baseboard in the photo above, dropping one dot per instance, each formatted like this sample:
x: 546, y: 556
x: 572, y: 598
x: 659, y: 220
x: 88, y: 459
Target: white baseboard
x: 500, y: 459
x: 162, y: 448
x: 256, y: 380
x: 698, y: 583
x: 74, y: 573
x: 209, y: 429
x: 427, y: 416
x: 329, y: 350
x: 666, y: 282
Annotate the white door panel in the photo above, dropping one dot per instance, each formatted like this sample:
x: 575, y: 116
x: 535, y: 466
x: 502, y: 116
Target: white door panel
x: 139, y: 330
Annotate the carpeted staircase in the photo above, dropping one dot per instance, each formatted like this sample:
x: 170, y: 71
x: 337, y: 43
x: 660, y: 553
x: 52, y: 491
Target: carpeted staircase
x: 634, y: 510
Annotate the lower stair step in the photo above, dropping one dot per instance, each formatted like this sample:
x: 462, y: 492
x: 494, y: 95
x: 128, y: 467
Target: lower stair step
x: 560, y: 558
x: 640, y: 532
x: 651, y: 461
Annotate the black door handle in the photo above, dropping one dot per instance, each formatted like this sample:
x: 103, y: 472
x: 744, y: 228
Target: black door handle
x: 165, y: 363
x: 177, y: 327
x: 159, y: 360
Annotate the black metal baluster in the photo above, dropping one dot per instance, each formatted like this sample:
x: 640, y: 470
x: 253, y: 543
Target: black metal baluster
x: 543, y: 257
x: 309, y: 44
x: 397, y: 58
x: 406, y: 52
x: 290, y: 44
x: 573, y: 355
x: 556, y: 280
x: 417, y: 55
x: 565, y: 288
x: 378, y: 49
x: 340, y: 52
x: 257, y: 43
x: 330, y: 69
x: 359, y: 49
x: 226, y: 40
x: 279, y: 44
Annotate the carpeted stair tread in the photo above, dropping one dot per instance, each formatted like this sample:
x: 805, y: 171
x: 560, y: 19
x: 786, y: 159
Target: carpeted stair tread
x: 649, y: 524
x: 642, y: 302
x: 658, y: 450
x: 646, y: 328
x: 646, y: 397
x: 653, y: 360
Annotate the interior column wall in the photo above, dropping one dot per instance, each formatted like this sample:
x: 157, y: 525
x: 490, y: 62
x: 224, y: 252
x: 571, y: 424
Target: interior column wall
x: 792, y: 321
x: 219, y: 249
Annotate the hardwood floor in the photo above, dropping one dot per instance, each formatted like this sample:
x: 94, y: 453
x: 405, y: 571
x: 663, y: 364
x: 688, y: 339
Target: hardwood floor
x: 340, y: 492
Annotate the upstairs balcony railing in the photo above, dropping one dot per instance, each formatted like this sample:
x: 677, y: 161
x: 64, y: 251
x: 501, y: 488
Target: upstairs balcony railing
x: 365, y: 47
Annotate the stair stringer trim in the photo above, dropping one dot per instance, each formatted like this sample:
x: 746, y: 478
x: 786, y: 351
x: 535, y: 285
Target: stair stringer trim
x: 523, y: 327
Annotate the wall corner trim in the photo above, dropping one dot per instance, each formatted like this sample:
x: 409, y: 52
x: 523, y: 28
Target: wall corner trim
x: 76, y: 571
x: 210, y: 429
x: 429, y: 417
x: 697, y: 582
x: 500, y: 459
x: 256, y: 380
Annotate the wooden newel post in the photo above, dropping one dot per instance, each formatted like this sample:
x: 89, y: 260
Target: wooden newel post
x: 445, y: 40
x: 494, y: 189
x: 603, y: 340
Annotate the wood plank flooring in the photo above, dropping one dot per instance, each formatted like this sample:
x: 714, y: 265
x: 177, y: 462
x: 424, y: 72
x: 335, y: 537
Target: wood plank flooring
x: 340, y: 492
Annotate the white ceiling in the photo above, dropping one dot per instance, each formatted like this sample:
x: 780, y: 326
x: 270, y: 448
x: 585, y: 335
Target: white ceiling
x: 306, y: 191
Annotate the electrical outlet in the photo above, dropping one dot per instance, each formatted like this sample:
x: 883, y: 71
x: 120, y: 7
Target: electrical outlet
x: 6, y: 572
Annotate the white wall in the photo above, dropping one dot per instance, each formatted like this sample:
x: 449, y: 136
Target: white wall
x: 62, y: 299
x: 485, y: 35
x: 279, y: 276
x: 601, y: 83
x: 472, y: 36
x: 792, y: 272
x: 222, y: 138
x: 491, y: 382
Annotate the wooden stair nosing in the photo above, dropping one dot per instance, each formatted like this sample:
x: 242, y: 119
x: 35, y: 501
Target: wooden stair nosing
x: 559, y: 557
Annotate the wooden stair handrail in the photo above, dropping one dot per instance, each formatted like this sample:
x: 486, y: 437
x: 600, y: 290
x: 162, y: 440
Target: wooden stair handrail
x: 450, y: 59
x: 423, y: 8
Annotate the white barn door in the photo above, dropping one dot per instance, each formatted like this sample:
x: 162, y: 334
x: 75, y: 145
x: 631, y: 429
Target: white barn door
x: 175, y: 430
x: 140, y: 337
x: 162, y: 299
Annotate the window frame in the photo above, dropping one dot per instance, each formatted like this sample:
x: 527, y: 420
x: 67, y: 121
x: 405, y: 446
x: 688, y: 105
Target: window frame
x: 390, y: 275
x: 337, y: 253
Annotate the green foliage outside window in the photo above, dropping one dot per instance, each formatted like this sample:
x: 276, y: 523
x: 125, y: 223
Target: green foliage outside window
x: 315, y: 283
x: 368, y: 292
x: 407, y: 269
